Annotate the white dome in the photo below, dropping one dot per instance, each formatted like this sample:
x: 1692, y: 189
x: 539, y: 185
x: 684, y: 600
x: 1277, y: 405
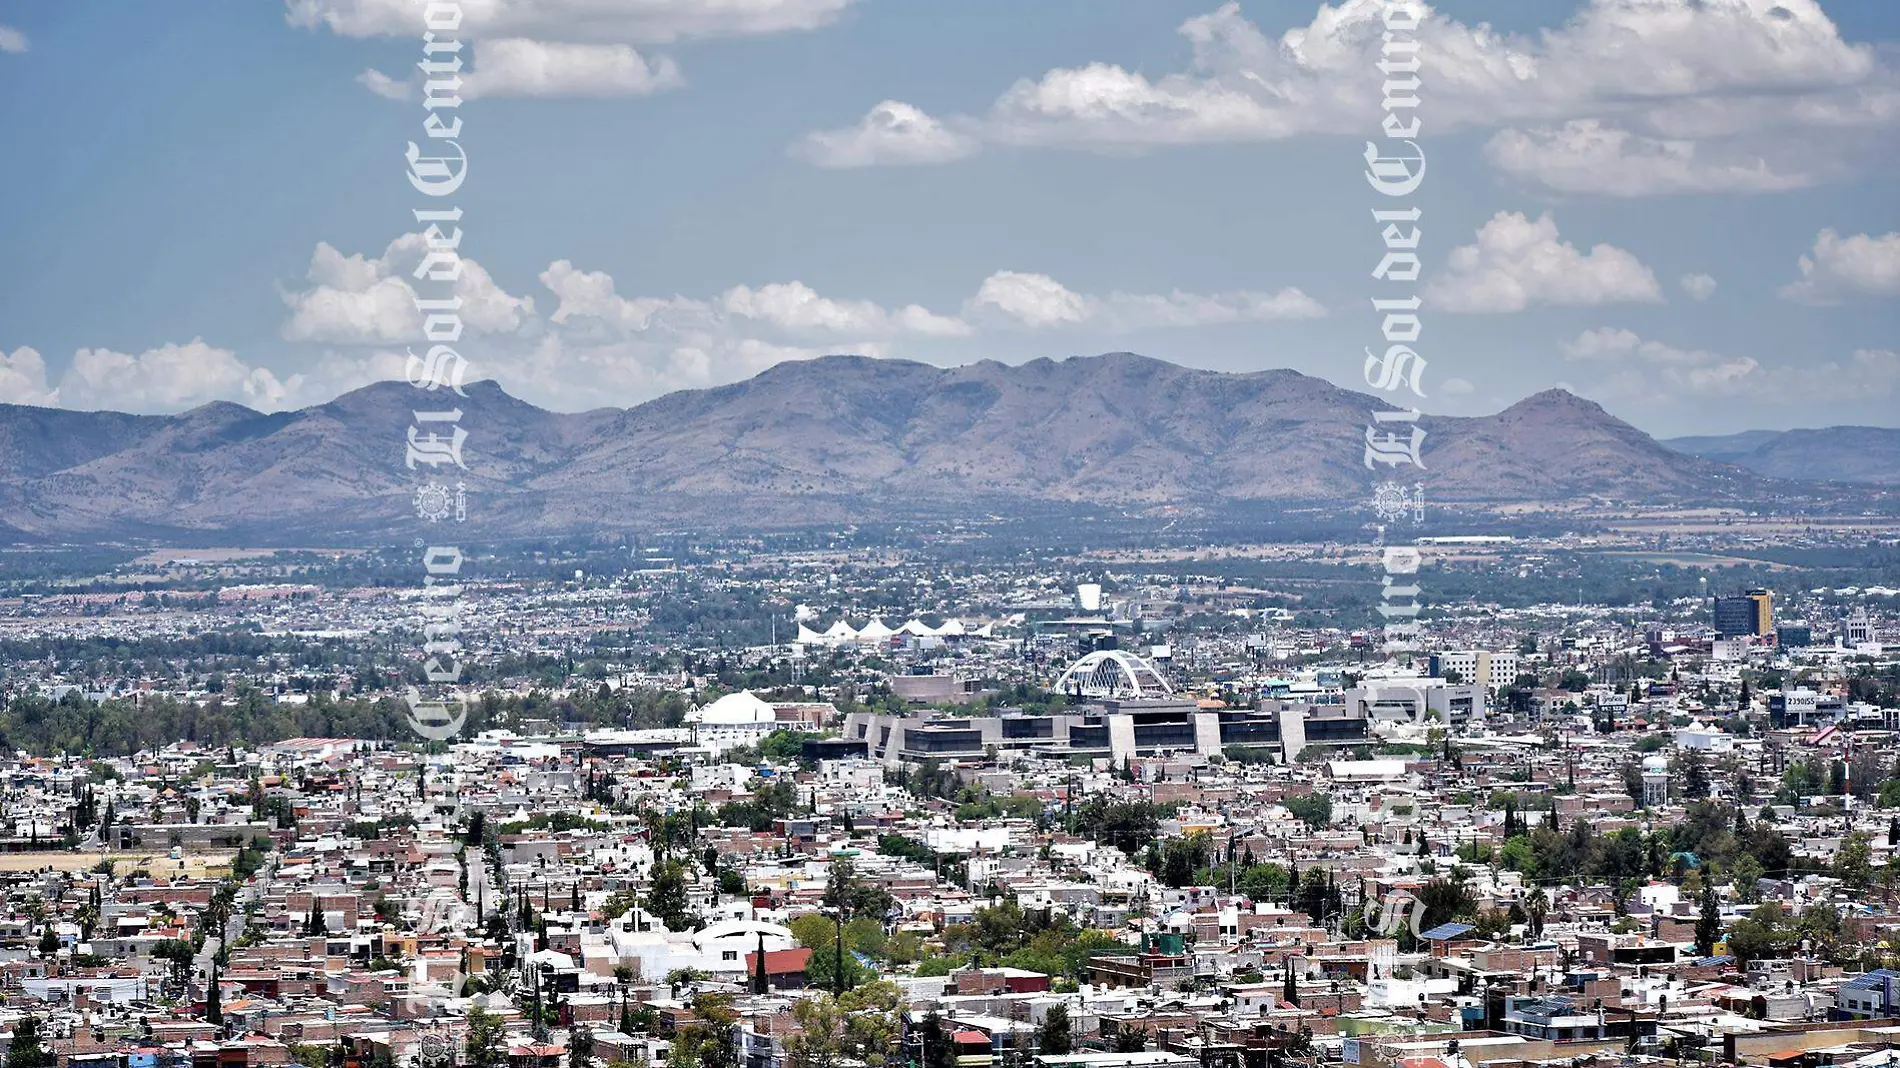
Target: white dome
x: 734, y: 708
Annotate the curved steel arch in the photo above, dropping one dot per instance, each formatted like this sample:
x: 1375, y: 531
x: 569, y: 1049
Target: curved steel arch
x: 1114, y: 674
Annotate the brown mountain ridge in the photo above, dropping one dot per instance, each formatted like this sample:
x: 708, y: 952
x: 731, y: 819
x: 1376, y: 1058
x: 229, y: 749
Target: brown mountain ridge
x: 831, y: 439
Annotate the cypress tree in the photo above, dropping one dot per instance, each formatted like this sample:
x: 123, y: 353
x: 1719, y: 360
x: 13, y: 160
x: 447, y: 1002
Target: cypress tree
x: 760, y: 984
x: 1708, y: 926
x: 214, y: 1008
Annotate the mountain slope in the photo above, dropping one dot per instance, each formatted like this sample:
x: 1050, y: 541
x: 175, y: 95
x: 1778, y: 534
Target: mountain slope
x: 1555, y: 445
x: 1867, y: 454
x: 825, y: 440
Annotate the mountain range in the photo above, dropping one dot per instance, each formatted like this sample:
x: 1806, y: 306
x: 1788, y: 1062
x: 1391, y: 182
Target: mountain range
x: 836, y: 439
x: 1867, y: 454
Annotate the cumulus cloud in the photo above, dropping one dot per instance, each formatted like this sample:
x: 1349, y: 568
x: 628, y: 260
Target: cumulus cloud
x: 1839, y: 267
x: 890, y: 133
x: 175, y: 377
x: 23, y: 379
x: 517, y: 66
x: 1034, y: 300
x: 1628, y: 98
x: 1585, y: 156
x: 1518, y: 262
x: 796, y: 307
x: 12, y: 40
x: 1698, y: 286
x: 167, y: 379
x: 353, y: 320
x: 1038, y: 301
x: 386, y: 87
x: 559, y: 48
x: 1626, y: 368
x: 1631, y: 363
x: 359, y: 300
x: 642, y: 22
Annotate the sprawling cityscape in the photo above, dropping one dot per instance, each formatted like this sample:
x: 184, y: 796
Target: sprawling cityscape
x: 749, y: 804
x: 975, y: 534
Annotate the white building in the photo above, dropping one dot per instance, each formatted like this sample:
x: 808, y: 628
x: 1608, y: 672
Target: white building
x: 737, y: 719
x: 1480, y: 667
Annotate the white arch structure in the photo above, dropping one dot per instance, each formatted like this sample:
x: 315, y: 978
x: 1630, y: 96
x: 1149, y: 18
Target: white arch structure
x: 1115, y: 674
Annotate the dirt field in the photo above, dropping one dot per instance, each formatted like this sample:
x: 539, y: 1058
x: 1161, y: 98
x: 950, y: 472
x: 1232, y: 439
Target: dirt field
x: 189, y: 865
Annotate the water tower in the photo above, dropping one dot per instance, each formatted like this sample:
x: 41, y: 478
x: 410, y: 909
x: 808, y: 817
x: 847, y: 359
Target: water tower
x: 1655, y: 782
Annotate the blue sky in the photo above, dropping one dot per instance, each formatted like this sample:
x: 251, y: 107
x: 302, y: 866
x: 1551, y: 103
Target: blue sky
x: 1621, y: 198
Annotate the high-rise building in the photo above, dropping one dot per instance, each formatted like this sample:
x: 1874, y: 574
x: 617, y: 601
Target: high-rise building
x: 1749, y: 615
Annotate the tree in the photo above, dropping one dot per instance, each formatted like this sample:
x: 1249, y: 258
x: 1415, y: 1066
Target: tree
x: 1444, y: 900
x: 1122, y: 1038
x: 214, y: 1006
x: 1290, y: 993
x: 760, y: 982
x: 666, y: 898
x: 1853, y: 861
x: 820, y: 1036
x: 580, y: 1047
x: 1695, y: 776
x: 938, y: 1049
x: 1315, y: 810
x: 1744, y: 874
x: 1762, y: 935
x: 177, y: 952
x: 484, y: 1045
x: 871, y: 1023
x: 1054, y: 1038
x: 1708, y: 926
x: 27, y: 1050
x: 708, y: 1042
x: 844, y: 890
x: 1535, y: 910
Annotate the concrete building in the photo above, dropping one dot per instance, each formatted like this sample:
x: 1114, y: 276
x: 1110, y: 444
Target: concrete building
x: 1478, y: 666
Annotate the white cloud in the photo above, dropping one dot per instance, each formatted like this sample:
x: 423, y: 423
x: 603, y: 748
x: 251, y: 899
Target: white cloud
x: 1629, y: 369
x: 176, y: 377
x: 596, y: 21
x: 1843, y: 266
x: 573, y: 373
x: 797, y: 308
x: 893, y: 132
x: 386, y: 87
x: 356, y: 300
x: 12, y: 40
x: 517, y: 66
x: 1038, y: 301
x: 1631, y: 361
x: 168, y: 378
x: 1517, y: 263
x: 1456, y: 387
x: 1682, y: 94
x: 1698, y: 286
x: 1034, y: 300
x: 1584, y: 156
x: 23, y: 379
